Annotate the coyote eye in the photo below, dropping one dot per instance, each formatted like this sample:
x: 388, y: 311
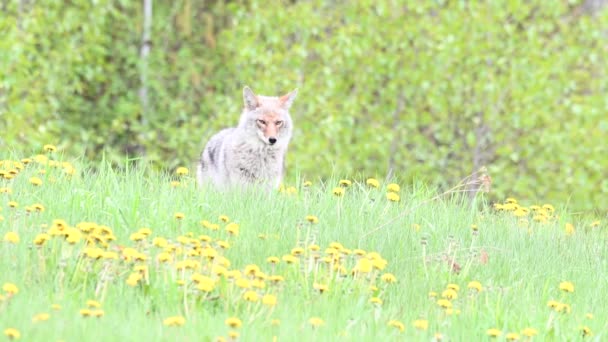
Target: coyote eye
x: 262, y: 122
x: 279, y: 123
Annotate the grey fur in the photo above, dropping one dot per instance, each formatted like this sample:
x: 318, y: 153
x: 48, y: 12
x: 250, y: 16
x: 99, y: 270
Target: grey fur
x: 242, y: 155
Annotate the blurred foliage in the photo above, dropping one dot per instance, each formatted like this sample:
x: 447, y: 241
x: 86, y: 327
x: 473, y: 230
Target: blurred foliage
x: 430, y: 90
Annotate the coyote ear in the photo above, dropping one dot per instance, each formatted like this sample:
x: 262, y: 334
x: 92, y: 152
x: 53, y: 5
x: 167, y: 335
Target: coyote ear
x: 251, y: 100
x: 287, y: 99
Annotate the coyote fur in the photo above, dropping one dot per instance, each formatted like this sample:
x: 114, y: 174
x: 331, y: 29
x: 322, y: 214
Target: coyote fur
x: 254, y: 151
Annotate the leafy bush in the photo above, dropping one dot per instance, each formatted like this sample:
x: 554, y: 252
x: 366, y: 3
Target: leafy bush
x: 429, y: 90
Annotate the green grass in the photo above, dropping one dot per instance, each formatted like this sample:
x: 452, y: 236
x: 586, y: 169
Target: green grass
x: 519, y: 262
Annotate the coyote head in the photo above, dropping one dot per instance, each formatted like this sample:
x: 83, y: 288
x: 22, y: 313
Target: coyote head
x: 268, y: 117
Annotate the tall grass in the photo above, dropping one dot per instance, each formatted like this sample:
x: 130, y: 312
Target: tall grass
x: 429, y: 242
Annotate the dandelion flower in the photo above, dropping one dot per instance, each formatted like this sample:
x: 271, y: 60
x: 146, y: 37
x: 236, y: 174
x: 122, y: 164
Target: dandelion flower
x: 35, y: 181
x: 586, y: 331
x: 10, y: 288
x: 449, y: 294
x: 589, y: 315
x: 375, y: 300
x: 338, y: 192
x: 345, y: 183
x: 372, y: 182
x: 363, y: 266
x: 234, y: 335
x: 316, y: 322
x: 181, y: 171
x: 273, y: 260
x: 421, y: 324
x: 475, y: 285
x: 11, y: 237
x: 529, y: 332
x: 454, y: 287
x: 232, y: 229
x: 233, y: 322
x: 393, y: 187
x: 93, y: 303
x: 174, y: 321
x: 566, y: 286
x: 297, y: 251
x: 392, y: 196
x: 493, y: 332
x: 569, y: 229
x: 396, y: 324
x: 388, y: 278
x: 174, y: 184
x: 269, y: 300
x: 251, y: 296
x: 160, y: 242
x: 320, y: 287
x: 49, y: 148
x: 13, y: 204
x: 312, y: 219
x: 593, y: 224
x: 290, y: 259
x: 444, y: 303
x: 179, y: 216
x: 41, y: 317
x: 12, y: 333
x: 307, y: 184
x: 134, y: 279
x: 85, y: 312
x: 512, y: 336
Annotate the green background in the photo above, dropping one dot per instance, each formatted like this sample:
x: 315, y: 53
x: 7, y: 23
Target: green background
x: 421, y: 90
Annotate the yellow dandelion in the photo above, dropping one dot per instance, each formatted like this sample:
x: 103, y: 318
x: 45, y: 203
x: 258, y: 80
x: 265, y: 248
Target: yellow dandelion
x: 475, y: 285
x: 297, y: 251
x: 586, y: 331
x: 589, y: 315
x: 273, y: 260
x: 40, y: 317
x: 49, y: 148
x: 493, y: 332
x: 363, y: 266
x: 56, y: 307
x: 275, y: 322
x: 251, y: 296
x: 11, y: 237
x: 566, y: 286
x: 174, y: 184
x: 449, y: 294
x: 444, y: 303
x: 396, y: 324
x: 312, y: 219
x: 338, y: 192
x: 160, y: 242
x: 433, y: 294
x: 421, y: 324
x: 375, y: 300
x: 174, y: 321
x: 134, y: 278
x: 345, y: 183
x: 6, y: 190
x: 512, y: 336
x: 233, y: 322
x: 182, y: 171
x: 10, y: 288
x: 93, y: 304
x: 593, y: 224
x: 316, y: 322
x: 35, y: 181
x: 388, y: 278
x: 320, y: 287
x: 12, y: 333
x: 179, y: 216
x: 529, y: 332
x: 569, y: 229
x: 290, y: 259
x: 13, y: 204
x: 393, y: 187
x: 233, y: 335
x: 454, y: 287
x: 393, y: 197
x: 372, y: 182
x: 232, y: 229
x: 85, y: 312
x: 269, y: 300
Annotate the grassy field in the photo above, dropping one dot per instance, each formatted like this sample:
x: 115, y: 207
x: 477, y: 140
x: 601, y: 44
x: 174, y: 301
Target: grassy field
x: 141, y: 256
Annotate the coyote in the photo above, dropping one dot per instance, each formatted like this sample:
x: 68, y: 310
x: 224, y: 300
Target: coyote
x: 254, y: 151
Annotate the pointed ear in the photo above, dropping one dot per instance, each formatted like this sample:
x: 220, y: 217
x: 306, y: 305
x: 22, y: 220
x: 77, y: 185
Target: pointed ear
x: 287, y: 99
x: 250, y: 99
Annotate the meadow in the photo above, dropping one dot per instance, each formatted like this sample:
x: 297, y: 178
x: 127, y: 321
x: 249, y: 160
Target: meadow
x: 94, y: 254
